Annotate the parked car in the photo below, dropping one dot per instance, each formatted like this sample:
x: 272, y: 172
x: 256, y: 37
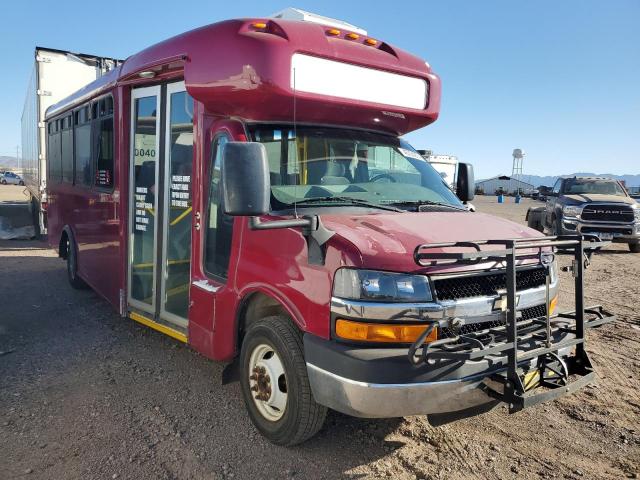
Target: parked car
x: 590, y: 205
x: 10, y: 178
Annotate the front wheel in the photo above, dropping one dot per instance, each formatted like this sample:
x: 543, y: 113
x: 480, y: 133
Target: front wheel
x: 634, y: 247
x: 3, y: 181
x: 275, y: 385
x: 21, y: 183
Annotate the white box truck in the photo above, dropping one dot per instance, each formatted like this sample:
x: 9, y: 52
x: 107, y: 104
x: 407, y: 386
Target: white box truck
x: 56, y: 74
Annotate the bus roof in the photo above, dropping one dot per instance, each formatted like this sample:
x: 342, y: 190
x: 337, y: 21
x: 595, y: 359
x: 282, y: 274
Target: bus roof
x: 267, y: 69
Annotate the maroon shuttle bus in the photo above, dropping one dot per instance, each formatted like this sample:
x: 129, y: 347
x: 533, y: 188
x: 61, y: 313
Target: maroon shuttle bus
x: 242, y: 187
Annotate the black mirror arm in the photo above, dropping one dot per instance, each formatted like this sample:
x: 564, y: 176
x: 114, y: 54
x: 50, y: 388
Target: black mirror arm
x: 312, y: 228
x: 256, y: 224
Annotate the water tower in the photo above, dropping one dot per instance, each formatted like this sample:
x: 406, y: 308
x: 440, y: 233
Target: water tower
x: 516, y: 172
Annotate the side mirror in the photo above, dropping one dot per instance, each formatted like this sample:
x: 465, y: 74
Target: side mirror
x: 246, y: 184
x: 465, y: 185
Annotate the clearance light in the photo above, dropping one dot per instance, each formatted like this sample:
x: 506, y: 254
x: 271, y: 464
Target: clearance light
x: 333, y: 31
x: 259, y: 25
x: 370, y: 41
x: 380, y: 332
x: 352, y: 36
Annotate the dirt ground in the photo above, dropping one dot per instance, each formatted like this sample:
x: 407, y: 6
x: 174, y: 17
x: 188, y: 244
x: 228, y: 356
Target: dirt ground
x: 87, y: 394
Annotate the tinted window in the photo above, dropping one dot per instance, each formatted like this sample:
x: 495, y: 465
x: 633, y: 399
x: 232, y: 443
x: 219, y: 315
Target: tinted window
x: 83, y: 154
x: 219, y: 225
x: 54, y: 155
x: 598, y: 187
x: 66, y: 141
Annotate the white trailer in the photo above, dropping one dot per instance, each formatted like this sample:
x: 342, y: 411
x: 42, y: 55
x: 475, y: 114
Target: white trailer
x: 445, y: 165
x: 55, y: 75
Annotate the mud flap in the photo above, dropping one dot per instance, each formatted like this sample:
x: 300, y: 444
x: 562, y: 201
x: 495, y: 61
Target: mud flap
x: 439, y: 419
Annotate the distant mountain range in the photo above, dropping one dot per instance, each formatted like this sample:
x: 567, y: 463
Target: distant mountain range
x: 536, y: 180
x: 9, y: 162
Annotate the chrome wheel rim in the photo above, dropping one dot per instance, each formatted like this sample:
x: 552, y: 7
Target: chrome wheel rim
x: 267, y: 382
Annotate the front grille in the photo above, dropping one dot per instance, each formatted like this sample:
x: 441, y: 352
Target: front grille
x: 607, y: 213
x: 526, y: 314
x: 488, y: 285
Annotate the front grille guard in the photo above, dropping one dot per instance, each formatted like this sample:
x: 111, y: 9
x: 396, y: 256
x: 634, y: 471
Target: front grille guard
x: 521, y: 341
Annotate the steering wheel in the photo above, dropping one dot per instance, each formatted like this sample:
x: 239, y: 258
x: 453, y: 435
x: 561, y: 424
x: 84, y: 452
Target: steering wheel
x: 381, y: 176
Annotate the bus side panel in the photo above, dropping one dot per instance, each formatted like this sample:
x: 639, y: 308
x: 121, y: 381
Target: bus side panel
x: 98, y: 221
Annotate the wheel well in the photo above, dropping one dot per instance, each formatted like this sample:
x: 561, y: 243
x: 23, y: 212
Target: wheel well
x: 63, y: 245
x: 255, y: 307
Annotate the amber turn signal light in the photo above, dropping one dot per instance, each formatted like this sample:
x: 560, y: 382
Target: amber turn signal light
x: 553, y: 304
x: 259, y: 25
x: 382, y: 332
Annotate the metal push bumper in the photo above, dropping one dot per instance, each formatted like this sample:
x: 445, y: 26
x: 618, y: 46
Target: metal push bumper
x: 471, y: 370
x: 380, y: 383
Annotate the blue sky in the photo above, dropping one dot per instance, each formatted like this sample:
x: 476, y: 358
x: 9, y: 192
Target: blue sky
x: 560, y: 79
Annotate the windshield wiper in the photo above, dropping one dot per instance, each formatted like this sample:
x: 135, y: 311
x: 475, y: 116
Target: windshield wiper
x: 348, y: 200
x: 424, y: 202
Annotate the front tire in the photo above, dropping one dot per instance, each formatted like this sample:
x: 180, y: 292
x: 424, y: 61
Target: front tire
x: 634, y: 247
x: 275, y: 385
x: 72, y: 267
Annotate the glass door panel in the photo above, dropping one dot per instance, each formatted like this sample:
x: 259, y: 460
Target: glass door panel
x: 176, y: 253
x: 144, y: 206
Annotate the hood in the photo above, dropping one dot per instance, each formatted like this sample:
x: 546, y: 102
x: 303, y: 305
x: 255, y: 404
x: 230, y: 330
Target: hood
x: 387, y: 240
x: 598, y: 197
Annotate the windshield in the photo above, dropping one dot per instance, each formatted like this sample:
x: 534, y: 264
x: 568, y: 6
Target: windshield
x: 316, y: 165
x: 584, y: 187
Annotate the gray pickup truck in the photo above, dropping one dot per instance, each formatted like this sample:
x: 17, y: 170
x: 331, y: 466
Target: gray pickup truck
x: 589, y: 205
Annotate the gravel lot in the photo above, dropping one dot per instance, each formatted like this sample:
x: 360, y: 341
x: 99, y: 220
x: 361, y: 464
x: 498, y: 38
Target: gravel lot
x: 86, y: 394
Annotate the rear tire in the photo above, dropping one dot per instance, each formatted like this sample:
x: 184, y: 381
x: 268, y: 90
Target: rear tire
x: 634, y: 247
x: 72, y: 267
x: 3, y: 181
x: 273, y: 347
x: 21, y: 183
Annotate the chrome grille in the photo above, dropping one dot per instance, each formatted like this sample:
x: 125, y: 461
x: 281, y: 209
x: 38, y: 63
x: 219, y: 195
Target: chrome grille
x: 527, y: 314
x: 486, y: 285
x: 607, y: 213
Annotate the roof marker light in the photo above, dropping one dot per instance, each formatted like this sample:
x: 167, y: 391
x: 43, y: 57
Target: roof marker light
x: 352, y: 36
x: 333, y: 31
x: 259, y: 25
x: 147, y: 74
x: 370, y: 41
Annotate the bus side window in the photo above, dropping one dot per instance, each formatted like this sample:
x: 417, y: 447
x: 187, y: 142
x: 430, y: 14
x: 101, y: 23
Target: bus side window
x: 82, y: 139
x: 104, y: 153
x: 219, y: 226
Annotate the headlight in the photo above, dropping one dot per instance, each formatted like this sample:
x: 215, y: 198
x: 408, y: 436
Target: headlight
x: 636, y: 214
x: 572, y: 210
x: 377, y: 286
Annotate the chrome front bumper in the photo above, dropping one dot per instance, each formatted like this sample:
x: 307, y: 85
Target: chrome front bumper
x: 571, y: 226
x: 388, y: 400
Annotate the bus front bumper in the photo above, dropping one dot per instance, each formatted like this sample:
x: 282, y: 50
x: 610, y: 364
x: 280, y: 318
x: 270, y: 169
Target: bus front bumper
x: 380, y: 382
